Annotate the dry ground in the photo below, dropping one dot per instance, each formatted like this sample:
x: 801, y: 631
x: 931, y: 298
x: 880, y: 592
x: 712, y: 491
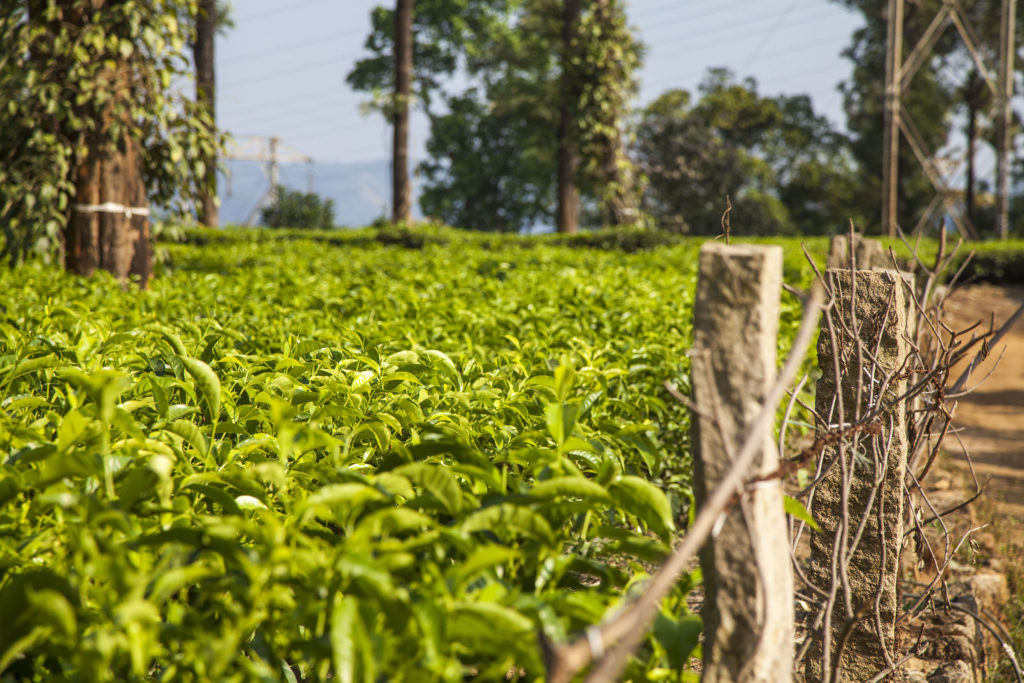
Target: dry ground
x: 991, y: 428
x: 992, y: 416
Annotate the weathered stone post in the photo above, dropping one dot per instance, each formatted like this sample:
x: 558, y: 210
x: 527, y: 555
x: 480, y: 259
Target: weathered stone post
x: 869, y: 252
x: 748, y: 608
x: 859, y: 504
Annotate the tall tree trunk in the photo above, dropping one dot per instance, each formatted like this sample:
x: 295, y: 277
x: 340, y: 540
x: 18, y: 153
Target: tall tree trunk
x: 206, y: 93
x: 619, y: 200
x: 567, y: 212
x: 972, y: 129
x: 108, y: 223
x: 400, y: 188
x: 974, y: 93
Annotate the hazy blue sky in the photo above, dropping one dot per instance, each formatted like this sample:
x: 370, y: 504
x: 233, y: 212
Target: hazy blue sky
x: 281, y: 70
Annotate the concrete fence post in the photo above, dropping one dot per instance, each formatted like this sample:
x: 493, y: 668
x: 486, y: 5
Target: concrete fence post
x: 859, y: 503
x: 748, y: 608
x: 869, y: 252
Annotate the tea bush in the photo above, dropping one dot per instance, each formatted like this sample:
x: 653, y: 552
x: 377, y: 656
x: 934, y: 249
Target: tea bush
x: 301, y: 460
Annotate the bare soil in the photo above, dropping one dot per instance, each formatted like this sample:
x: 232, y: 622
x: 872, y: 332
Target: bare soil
x: 991, y: 417
x: 989, y: 424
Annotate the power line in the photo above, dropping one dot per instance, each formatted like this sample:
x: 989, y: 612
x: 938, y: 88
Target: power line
x: 803, y: 47
x: 733, y: 38
x: 291, y: 8
x: 719, y: 8
x: 693, y: 75
x: 275, y: 51
x: 334, y: 98
x: 723, y: 27
x: 672, y: 4
x: 318, y: 117
x: 770, y: 34
x: 801, y: 74
x: 287, y: 72
x: 676, y: 81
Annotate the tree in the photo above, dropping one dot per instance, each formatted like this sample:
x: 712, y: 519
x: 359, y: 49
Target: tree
x: 507, y: 186
x: 206, y: 93
x: 491, y: 163
x: 398, y: 73
x: 696, y: 155
x: 599, y: 57
x: 294, y: 209
x: 567, y: 212
x: 512, y: 59
x: 401, y: 190
x: 443, y: 31
x: 782, y: 167
x: 614, y: 55
x: 813, y: 169
x: 79, y: 171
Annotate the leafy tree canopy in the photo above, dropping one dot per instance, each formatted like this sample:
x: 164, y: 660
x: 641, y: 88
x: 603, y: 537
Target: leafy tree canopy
x: 294, y: 209
x: 443, y: 32
x: 492, y: 161
x: 783, y: 167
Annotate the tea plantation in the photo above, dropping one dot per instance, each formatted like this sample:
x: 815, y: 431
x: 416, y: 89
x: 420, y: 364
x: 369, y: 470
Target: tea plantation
x: 299, y: 458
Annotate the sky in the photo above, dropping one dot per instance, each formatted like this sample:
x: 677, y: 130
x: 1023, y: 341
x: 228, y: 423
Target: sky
x: 281, y: 69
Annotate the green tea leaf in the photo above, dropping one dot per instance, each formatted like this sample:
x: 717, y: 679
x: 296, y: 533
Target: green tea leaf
x: 561, y: 418
x: 645, y: 500
x: 190, y: 433
x: 482, y: 558
x: 572, y: 487
x: 565, y: 377
x: 207, y: 381
x: 679, y: 637
x: 794, y: 507
x: 438, y: 481
x: 346, y: 638
x: 506, y: 517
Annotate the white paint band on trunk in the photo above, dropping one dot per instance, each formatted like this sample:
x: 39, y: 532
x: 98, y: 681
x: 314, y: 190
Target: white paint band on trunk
x: 111, y: 207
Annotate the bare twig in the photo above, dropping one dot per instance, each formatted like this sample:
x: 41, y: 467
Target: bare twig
x: 875, y: 393
x: 991, y: 342
x: 726, y: 227
x: 620, y: 635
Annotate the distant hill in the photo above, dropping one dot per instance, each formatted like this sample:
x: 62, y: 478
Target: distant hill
x: 361, y: 191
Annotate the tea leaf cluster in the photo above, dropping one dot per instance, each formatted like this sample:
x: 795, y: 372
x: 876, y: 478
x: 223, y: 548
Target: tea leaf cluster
x: 294, y: 460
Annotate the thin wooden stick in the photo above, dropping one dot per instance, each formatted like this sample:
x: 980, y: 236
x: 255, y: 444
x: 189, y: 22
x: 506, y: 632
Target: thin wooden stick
x: 623, y: 633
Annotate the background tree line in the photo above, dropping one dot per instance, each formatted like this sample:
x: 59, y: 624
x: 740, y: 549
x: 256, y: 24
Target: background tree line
x: 531, y: 106
x: 531, y: 119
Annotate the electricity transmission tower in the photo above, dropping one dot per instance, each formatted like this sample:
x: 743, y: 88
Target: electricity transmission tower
x: 271, y: 152
x: 899, y: 73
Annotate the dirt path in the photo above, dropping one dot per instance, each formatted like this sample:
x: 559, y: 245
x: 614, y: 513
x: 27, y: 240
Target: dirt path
x: 992, y: 416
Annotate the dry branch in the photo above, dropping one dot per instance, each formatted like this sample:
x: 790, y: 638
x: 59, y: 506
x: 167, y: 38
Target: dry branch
x: 620, y: 635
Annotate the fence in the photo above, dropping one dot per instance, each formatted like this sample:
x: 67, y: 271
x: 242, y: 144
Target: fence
x: 881, y: 410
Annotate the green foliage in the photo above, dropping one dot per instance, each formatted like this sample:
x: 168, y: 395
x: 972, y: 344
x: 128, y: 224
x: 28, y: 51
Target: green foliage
x: 997, y: 262
x: 784, y: 169
x: 491, y: 162
x: 483, y: 170
x: 295, y: 209
x: 59, y: 85
x: 443, y: 31
x: 601, y: 72
x: 302, y: 459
